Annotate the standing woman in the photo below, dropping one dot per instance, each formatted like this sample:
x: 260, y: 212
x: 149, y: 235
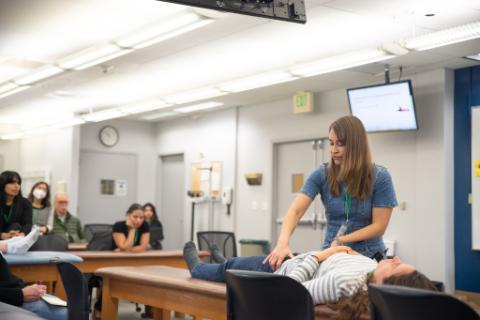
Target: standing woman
x: 41, y: 208
x: 15, y: 210
x: 357, y: 194
x: 133, y: 233
x: 155, y: 224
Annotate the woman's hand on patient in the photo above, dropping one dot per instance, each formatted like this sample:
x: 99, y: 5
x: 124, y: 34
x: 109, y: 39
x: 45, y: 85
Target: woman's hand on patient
x: 322, y: 255
x: 276, y: 257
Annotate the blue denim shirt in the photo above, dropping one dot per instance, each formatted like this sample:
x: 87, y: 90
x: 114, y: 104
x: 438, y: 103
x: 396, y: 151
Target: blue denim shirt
x: 383, y: 196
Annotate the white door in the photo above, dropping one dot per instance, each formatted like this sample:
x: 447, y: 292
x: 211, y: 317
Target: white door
x: 107, y: 186
x: 294, y: 161
x: 172, y: 199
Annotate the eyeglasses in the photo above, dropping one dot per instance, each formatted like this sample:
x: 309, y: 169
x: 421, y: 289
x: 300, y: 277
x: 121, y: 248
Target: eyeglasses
x: 62, y: 202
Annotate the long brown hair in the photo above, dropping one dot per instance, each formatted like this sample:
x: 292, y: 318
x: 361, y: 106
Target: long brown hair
x: 353, y: 307
x: 356, y: 170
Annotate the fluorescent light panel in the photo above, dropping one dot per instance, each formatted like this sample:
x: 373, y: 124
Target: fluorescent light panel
x: 103, y: 115
x: 194, y: 95
x: 474, y: 57
x: 257, y: 81
x: 444, y: 37
x: 198, y: 107
x: 145, y: 107
x: 158, y: 116
x: 177, y: 25
x: 38, y: 74
x: 18, y: 89
x: 340, y: 62
x: 89, y: 56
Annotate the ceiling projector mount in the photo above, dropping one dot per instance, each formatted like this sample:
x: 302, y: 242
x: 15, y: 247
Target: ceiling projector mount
x: 286, y: 10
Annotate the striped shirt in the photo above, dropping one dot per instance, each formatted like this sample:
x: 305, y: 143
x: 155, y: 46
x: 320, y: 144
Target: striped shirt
x: 340, y: 275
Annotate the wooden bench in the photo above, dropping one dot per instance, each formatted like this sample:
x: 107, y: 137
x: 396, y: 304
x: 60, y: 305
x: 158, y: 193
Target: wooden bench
x: 166, y: 288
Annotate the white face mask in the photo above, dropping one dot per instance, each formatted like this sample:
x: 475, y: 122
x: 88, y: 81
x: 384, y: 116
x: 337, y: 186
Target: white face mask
x: 39, y: 193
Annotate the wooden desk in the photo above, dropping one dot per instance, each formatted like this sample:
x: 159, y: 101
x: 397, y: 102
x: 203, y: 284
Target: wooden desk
x: 165, y: 289
x: 93, y: 260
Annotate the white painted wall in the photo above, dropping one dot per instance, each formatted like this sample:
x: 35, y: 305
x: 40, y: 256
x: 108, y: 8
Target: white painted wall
x: 54, y: 153
x: 135, y: 138
x: 209, y: 137
x: 421, y: 164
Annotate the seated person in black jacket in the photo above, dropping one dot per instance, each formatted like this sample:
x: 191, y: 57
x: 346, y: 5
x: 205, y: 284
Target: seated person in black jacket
x: 14, y: 291
x: 15, y: 210
x: 155, y: 226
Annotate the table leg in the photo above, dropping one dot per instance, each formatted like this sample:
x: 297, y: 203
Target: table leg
x: 109, y: 304
x: 161, y: 314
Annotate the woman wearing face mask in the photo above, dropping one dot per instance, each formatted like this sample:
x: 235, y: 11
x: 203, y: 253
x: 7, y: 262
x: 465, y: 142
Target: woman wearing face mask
x: 357, y: 194
x: 41, y: 209
x: 15, y: 210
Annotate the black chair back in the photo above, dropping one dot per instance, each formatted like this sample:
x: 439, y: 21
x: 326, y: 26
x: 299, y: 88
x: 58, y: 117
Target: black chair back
x: 76, y: 289
x: 92, y: 228
x: 101, y: 241
x: 156, y: 237
x: 390, y: 302
x: 50, y: 242
x: 255, y: 295
x: 225, y: 241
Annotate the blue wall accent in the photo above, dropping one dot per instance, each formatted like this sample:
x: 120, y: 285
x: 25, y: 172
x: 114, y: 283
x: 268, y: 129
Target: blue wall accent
x: 467, y: 261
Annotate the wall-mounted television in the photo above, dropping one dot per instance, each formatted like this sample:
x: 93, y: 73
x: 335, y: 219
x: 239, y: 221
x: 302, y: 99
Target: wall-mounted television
x: 384, y: 107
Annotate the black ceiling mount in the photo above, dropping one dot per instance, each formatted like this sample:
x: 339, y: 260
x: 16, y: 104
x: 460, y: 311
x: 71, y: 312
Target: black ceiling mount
x: 285, y: 10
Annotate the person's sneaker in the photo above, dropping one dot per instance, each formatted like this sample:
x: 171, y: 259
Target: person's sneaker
x: 217, y: 254
x: 190, y: 255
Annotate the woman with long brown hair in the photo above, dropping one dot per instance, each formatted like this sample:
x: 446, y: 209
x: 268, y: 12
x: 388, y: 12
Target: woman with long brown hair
x: 357, y: 194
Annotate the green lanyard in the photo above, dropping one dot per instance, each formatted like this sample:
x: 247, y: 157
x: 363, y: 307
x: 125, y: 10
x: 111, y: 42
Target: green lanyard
x: 9, y: 215
x: 136, y: 236
x: 346, y: 208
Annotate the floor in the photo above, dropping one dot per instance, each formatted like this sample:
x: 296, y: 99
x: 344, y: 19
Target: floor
x: 126, y: 311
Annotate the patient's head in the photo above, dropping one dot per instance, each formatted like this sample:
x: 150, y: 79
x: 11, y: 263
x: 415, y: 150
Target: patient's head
x: 394, y: 271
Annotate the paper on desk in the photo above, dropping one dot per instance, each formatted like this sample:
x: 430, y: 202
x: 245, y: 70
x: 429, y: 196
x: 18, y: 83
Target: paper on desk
x: 53, y: 300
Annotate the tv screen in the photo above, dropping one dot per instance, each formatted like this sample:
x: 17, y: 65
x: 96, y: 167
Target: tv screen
x: 384, y: 107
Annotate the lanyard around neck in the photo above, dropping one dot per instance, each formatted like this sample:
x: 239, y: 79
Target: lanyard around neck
x: 136, y: 236
x: 346, y: 208
x: 9, y: 215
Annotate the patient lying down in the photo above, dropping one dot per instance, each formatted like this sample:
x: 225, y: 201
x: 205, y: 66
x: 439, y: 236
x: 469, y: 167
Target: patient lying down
x: 337, y: 274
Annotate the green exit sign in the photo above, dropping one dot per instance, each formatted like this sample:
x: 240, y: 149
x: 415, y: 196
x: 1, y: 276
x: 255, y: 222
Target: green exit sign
x: 303, y: 102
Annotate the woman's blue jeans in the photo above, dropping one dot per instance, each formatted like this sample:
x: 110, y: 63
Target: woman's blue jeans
x: 45, y: 310
x: 216, y: 271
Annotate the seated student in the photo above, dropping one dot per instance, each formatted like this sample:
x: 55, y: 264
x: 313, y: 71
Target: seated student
x: 153, y: 222
x: 65, y: 224
x: 41, y: 209
x: 133, y: 233
x: 14, y: 291
x: 330, y: 275
x: 130, y: 235
x: 15, y: 210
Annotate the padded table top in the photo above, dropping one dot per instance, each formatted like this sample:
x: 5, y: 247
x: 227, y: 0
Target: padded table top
x: 41, y: 257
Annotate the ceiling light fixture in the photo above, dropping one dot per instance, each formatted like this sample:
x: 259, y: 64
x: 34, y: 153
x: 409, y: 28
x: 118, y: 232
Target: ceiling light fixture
x: 475, y: 57
x: 173, y: 27
x: 194, y: 95
x: 144, y: 107
x: 199, y: 107
x: 12, y: 136
x: 4, y: 91
x: 103, y: 115
x: 340, y: 62
x: 444, y: 37
x: 92, y: 56
x: 38, y: 74
x: 257, y: 81
x: 161, y: 115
